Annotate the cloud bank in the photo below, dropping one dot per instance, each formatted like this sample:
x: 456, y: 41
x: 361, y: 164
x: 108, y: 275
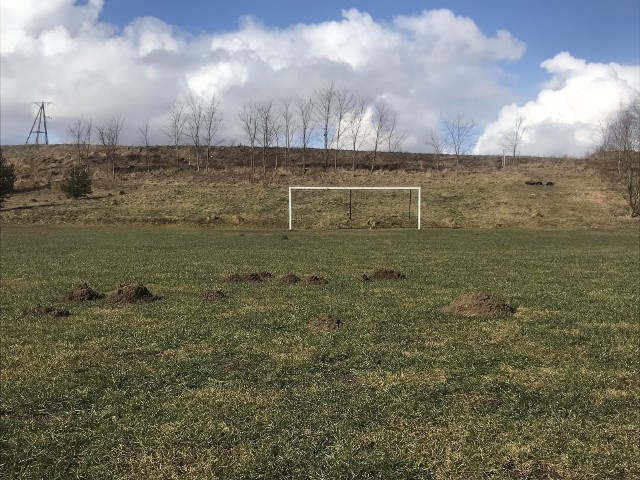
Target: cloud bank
x: 424, y: 66
x: 563, y: 119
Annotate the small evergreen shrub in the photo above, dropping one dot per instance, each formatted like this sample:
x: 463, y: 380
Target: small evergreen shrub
x: 7, y: 178
x: 77, y: 182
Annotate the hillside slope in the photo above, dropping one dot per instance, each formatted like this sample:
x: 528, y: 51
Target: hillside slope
x: 478, y: 193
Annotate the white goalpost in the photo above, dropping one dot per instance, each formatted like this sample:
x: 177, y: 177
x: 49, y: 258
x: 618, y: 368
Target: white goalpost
x: 292, y: 189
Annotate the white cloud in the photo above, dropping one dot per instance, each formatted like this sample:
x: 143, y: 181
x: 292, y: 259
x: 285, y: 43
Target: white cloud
x: 23, y: 21
x: 424, y: 65
x: 563, y: 118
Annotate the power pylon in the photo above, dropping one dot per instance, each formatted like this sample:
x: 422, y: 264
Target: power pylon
x: 41, y: 120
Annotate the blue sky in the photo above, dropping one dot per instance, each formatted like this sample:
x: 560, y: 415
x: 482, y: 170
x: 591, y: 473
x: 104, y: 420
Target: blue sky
x: 595, y: 30
x: 565, y: 65
x: 599, y: 30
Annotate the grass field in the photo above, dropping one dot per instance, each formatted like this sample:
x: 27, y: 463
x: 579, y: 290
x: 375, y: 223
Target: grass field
x: 244, y: 388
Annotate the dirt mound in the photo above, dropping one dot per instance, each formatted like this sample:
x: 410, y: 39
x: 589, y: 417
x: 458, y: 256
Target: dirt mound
x: 133, y: 293
x: 51, y: 311
x: 315, y: 280
x: 290, y: 278
x: 213, y: 295
x: 478, y: 304
x: 249, y: 277
x: 326, y: 322
x: 384, y: 275
x: 83, y: 292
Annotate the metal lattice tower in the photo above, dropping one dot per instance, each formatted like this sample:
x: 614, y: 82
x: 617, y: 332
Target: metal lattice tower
x: 41, y: 120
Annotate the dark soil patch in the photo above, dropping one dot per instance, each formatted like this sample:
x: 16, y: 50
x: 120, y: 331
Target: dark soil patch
x: 365, y: 278
x: 290, y: 278
x: 83, y: 292
x: 315, y: 280
x: 249, y: 277
x: 51, y: 311
x: 213, y: 295
x: 478, y: 304
x: 327, y: 322
x: 388, y: 275
x: 133, y: 293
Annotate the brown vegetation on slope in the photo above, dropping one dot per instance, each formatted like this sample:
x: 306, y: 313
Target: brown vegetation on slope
x: 478, y: 194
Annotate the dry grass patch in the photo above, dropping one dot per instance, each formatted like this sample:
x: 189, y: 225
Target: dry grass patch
x: 478, y: 194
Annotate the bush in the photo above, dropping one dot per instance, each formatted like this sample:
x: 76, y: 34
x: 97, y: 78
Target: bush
x: 77, y: 182
x: 7, y: 178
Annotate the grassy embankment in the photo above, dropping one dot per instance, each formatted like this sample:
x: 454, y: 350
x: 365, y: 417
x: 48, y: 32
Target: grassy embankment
x: 243, y: 388
x: 476, y: 195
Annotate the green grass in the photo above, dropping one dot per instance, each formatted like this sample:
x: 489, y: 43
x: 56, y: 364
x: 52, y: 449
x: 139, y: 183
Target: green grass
x: 242, y: 388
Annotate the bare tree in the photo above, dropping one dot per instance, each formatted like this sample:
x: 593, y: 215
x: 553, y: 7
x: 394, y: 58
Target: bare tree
x: 380, y: 120
x: 109, y: 135
x: 512, y: 138
x: 604, y: 140
x: 195, y: 124
x: 434, y: 140
x: 356, y: 127
x: 80, y: 132
x: 324, y: 110
x: 266, y: 129
x: 288, y: 128
x: 395, y: 138
x: 458, y: 135
x: 212, y: 124
x: 343, y: 105
x: 249, y: 120
x: 306, y: 126
x: 277, y: 136
x: 623, y: 139
x: 174, y: 129
x: 143, y: 133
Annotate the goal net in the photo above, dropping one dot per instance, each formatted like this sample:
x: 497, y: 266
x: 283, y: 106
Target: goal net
x: 354, y: 207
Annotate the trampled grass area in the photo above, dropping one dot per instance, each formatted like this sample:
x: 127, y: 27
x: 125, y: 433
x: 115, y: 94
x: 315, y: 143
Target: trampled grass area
x: 243, y: 388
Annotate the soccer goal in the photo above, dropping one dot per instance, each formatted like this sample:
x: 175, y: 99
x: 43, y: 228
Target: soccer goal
x: 351, y: 189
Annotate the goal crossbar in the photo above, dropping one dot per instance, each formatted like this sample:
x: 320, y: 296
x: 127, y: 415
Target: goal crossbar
x: 291, y: 189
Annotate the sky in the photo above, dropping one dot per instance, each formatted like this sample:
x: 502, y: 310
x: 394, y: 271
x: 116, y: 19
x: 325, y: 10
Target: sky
x: 563, y: 66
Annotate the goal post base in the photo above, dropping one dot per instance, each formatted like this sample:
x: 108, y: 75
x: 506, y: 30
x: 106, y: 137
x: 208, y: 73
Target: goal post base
x: 292, y: 189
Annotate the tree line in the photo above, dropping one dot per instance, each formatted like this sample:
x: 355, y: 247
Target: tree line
x: 332, y: 117
x: 338, y: 120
